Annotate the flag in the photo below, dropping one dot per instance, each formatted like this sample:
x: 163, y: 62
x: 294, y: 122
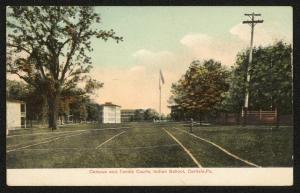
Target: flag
x: 161, y: 77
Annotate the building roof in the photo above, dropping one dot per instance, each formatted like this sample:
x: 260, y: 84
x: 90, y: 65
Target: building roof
x: 14, y: 100
x: 128, y: 110
x: 109, y: 104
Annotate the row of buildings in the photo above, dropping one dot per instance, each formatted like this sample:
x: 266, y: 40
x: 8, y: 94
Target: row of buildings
x: 108, y: 113
x: 111, y: 113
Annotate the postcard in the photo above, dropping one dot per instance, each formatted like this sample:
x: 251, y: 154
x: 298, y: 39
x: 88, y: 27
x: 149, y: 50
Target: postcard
x: 149, y: 96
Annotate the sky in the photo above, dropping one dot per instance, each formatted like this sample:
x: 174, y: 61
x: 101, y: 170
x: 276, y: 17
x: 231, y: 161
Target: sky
x: 170, y: 38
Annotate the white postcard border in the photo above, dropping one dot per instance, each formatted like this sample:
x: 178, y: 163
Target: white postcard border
x: 142, y: 177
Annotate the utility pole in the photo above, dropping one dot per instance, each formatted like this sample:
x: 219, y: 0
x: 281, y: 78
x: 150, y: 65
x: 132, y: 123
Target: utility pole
x: 252, y: 22
x: 292, y: 71
x: 271, y: 79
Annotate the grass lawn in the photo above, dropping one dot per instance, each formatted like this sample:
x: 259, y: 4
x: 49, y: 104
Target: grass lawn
x: 131, y: 145
x: 259, y: 144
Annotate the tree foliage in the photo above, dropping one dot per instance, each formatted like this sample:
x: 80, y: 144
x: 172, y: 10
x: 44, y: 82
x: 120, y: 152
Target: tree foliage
x: 151, y: 114
x: 201, y: 88
x: 47, y: 47
x: 271, y: 79
x: 24, y: 92
x: 77, y: 103
x: 139, y: 115
x: 17, y: 90
x: 92, y: 111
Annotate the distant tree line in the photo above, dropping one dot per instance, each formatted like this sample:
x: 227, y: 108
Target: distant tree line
x: 145, y: 115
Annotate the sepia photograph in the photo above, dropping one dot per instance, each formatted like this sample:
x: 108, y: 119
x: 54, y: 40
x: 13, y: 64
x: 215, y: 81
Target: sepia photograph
x: 149, y: 95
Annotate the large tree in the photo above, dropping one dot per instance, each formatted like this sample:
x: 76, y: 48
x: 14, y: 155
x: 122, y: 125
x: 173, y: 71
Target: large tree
x: 47, y: 47
x: 271, y: 79
x: 200, y: 89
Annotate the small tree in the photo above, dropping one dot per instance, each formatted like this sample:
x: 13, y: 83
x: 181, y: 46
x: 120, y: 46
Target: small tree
x: 47, y: 48
x: 139, y: 115
x: 151, y: 114
x: 92, y: 111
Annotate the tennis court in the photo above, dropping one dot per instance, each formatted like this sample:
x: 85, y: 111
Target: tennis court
x: 135, y: 145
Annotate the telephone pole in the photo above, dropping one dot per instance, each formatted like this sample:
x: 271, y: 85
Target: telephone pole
x: 252, y: 22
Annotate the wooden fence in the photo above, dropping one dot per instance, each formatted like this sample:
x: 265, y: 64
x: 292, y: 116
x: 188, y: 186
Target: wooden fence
x: 261, y: 117
x: 253, y: 117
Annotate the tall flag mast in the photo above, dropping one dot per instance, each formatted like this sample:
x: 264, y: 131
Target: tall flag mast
x: 161, y: 81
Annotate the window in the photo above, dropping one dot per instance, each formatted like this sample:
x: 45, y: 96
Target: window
x: 22, y: 108
x: 23, y: 122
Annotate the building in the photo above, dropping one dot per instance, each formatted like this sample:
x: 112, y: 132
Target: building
x: 177, y: 113
x: 110, y: 113
x: 15, y: 114
x: 127, y: 115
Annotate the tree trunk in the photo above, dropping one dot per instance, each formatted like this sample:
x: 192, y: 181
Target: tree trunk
x: 53, y: 111
x: 44, y: 115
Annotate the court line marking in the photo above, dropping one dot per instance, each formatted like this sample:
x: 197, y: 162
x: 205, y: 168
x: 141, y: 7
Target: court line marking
x: 184, y: 148
x: 109, y: 139
x: 109, y: 148
x: 58, y: 132
x: 47, y: 141
x: 20, y: 144
x: 221, y: 148
x: 145, y: 147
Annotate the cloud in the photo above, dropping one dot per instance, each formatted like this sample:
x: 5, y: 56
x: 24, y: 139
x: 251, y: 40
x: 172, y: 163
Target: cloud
x: 264, y: 34
x: 203, y: 46
x: 194, y: 40
x: 172, y: 65
x: 153, y: 61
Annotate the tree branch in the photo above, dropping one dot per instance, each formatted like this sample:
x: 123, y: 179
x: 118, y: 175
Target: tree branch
x: 23, y: 78
x: 69, y: 57
x: 20, y: 47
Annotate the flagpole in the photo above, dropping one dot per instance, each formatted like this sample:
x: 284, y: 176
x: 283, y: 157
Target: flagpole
x: 159, y: 96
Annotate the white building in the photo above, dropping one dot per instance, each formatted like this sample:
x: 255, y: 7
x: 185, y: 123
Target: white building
x: 110, y: 113
x: 15, y: 114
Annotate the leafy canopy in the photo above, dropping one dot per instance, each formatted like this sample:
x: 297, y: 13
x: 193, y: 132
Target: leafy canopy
x: 271, y: 79
x: 201, y: 88
x: 48, y: 45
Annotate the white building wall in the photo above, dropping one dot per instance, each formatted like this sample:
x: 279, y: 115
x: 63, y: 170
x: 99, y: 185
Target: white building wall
x: 13, y: 115
x: 118, y: 115
x: 111, y: 114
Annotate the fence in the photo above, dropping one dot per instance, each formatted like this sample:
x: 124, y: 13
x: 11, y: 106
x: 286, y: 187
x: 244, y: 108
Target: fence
x: 254, y: 117
x: 261, y: 117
